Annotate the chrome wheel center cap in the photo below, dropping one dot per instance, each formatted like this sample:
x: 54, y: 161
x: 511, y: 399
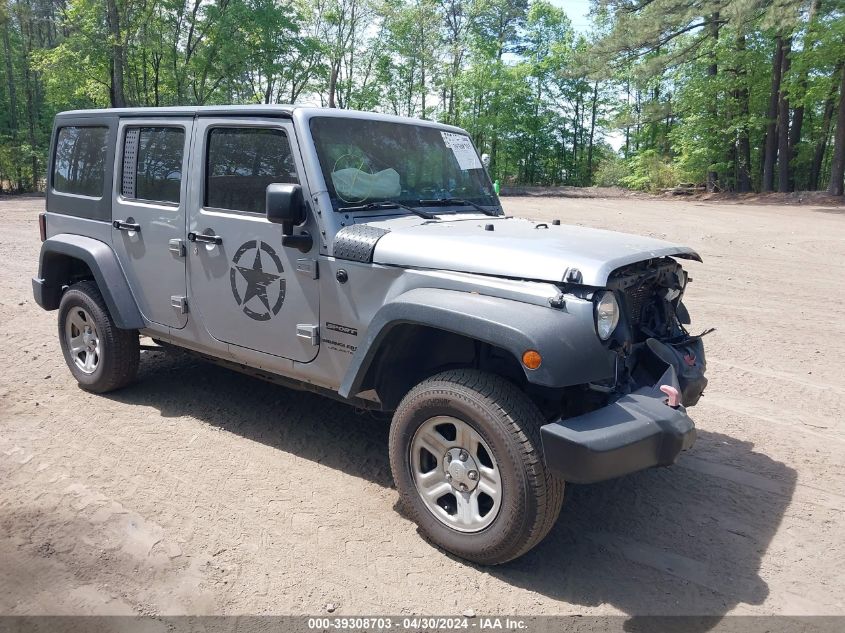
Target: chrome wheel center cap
x: 461, y: 470
x: 89, y: 340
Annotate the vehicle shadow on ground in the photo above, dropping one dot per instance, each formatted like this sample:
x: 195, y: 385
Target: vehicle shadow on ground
x: 687, y: 540
x: 683, y: 540
x: 312, y: 426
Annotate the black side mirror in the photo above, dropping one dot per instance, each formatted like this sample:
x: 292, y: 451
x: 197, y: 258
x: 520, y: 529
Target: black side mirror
x: 285, y: 205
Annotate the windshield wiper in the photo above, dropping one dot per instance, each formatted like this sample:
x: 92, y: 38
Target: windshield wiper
x: 459, y: 202
x: 390, y: 204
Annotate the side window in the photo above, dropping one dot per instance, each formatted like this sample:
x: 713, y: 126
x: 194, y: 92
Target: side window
x: 241, y: 162
x: 79, y: 164
x: 152, y: 163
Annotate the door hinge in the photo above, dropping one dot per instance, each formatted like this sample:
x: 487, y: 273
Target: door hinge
x: 180, y: 304
x: 308, y: 331
x: 177, y: 247
x: 308, y: 267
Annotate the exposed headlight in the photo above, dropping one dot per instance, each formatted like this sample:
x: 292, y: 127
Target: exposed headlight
x: 607, y: 315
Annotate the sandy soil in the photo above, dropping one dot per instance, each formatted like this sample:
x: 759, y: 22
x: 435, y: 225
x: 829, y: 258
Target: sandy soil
x: 201, y: 491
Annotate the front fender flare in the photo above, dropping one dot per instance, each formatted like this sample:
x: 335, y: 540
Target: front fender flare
x: 566, y: 339
x: 101, y: 261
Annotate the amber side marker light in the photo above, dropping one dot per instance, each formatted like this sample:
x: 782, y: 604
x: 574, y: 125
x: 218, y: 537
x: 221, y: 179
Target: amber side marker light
x: 42, y: 225
x: 531, y: 359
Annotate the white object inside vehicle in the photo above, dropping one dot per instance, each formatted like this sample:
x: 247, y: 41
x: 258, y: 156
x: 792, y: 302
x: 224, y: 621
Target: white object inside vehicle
x: 354, y: 185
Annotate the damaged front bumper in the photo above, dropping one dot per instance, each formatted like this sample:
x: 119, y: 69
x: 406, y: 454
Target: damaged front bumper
x: 638, y: 431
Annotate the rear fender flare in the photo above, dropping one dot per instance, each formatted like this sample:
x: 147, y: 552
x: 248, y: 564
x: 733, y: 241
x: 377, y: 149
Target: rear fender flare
x: 54, y: 270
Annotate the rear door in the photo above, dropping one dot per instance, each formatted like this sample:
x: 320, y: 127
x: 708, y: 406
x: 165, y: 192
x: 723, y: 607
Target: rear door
x: 148, y: 215
x: 245, y: 287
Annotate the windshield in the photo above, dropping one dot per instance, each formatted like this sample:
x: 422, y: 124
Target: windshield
x: 375, y: 161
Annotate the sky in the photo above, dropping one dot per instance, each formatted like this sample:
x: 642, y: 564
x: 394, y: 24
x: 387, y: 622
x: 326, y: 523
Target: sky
x: 577, y: 10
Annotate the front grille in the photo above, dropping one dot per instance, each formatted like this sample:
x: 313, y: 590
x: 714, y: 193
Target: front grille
x: 636, y: 298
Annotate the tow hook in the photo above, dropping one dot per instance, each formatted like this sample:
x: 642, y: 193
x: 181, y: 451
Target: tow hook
x: 673, y: 398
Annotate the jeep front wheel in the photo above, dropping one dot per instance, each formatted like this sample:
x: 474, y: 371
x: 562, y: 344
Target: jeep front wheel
x: 100, y: 356
x: 466, y: 458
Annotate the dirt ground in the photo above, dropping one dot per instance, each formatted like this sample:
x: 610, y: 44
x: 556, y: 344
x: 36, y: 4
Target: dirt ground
x: 202, y: 491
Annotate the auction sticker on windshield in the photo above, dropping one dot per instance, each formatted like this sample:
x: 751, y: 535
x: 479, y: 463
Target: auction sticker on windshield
x: 463, y: 150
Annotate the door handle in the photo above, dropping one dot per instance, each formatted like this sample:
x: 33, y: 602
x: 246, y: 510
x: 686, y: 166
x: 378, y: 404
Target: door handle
x: 205, y: 239
x: 126, y: 226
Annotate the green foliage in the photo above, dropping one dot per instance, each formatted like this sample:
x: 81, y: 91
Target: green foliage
x: 687, y: 85
x: 611, y: 172
x: 648, y: 171
x: 698, y: 84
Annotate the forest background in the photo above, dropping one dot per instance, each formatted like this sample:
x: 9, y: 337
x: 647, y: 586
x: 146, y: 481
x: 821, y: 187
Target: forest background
x: 732, y: 95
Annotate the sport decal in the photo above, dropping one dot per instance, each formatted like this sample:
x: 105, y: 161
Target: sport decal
x: 343, y: 329
x: 257, y: 282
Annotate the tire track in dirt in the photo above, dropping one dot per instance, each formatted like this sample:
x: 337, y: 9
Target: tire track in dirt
x: 198, y: 490
x: 75, y: 528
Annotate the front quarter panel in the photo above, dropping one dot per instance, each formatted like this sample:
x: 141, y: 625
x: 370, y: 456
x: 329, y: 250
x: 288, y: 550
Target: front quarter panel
x: 566, y: 338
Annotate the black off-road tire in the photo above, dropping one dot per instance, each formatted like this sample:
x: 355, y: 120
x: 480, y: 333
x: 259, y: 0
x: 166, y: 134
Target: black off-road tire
x: 509, y: 423
x: 118, y: 361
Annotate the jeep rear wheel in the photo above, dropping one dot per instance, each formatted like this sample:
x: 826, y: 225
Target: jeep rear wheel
x: 466, y: 458
x: 100, y: 356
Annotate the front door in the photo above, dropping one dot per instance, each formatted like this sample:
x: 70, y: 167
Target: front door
x: 245, y: 287
x: 148, y: 215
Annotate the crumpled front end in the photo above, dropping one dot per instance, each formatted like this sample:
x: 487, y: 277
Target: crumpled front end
x: 652, y: 334
x: 638, y: 418
x: 644, y: 428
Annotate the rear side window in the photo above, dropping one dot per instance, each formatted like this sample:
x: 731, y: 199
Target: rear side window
x: 80, y: 161
x: 152, y: 163
x: 241, y: 162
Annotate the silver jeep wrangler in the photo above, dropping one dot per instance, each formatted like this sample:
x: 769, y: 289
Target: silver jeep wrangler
x: 367, y: 257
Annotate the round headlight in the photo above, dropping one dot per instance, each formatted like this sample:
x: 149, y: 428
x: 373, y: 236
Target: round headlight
x: 607, y: 315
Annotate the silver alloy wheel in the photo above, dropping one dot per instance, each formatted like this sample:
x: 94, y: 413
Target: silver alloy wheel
x: 456, y: 474
x: 83, y: 341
